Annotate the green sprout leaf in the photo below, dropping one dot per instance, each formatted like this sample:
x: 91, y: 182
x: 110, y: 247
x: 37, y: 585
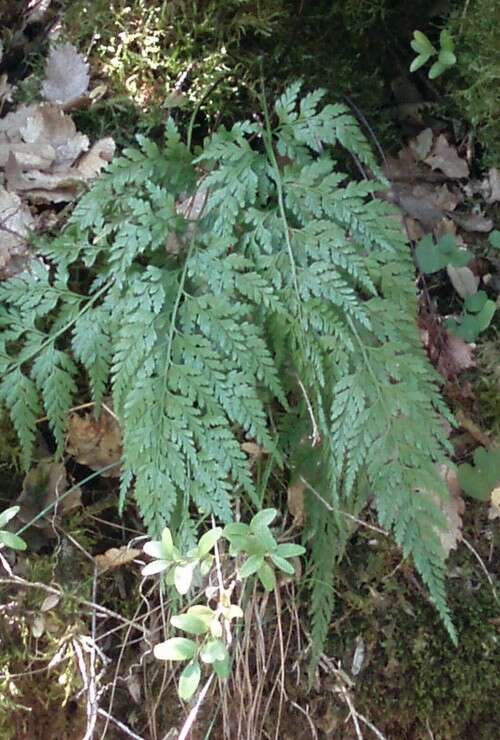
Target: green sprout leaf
x: 213, y: 651
x: 183, y: 576
x: 419, y: 61
x: 8, y: 514
x: 446, y: 40
x: 263, y: 519
x: 267, y: 577
x: 421, y: 43
x: 207, y: 541
x: 436, y: 70
x: 221, y: 667
x: 479, y: 480
x: 190, y: 623
x: 9, y: 539
x: 494, y: 239
x: 283, y: 564
x: 251, y: 565
x: 176, y: 648
x: 290, y: 550
x: 189, y: 680
x: 167, y: 544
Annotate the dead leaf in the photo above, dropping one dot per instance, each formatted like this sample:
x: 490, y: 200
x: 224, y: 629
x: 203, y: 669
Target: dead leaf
x: 48, y: 124
x: 95, y: 442
x: 16, y: 222
x: 66, y: 76
x: 422, y: 144
x: 43, y: 187
x: 6, y: 90
x: 38, y: 626
x: 444, y: 157
x: 99, y: 155
x: 255, y: 451
x: 452, y: 510
x: 463, y: 280
x: 474, y: 222
x: 295, y: 501
x: 494, y: 186
x: 488, y: 188
x: 494, y: 512
x: 414, y: 230
x: 50, y: 602
x: 456, y: 356
x: 115, y: 557
x: 44, y: 485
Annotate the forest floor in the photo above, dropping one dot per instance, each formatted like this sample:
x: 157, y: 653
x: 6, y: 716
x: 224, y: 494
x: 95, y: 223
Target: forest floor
x: 76, y: 616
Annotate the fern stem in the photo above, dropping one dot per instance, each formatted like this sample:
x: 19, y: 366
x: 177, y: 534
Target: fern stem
x: 268, y: 143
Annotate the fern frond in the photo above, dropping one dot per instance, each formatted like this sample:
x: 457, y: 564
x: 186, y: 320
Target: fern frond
x: 291, y: 298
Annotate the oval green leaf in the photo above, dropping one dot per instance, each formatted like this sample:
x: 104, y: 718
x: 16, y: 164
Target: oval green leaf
x: 251, y: 565
x: 156, y: 566
x: 167, y: 544
x: 447, y: 58
x: 436, y: 69
x: 176, y: 648
x: 419, y: 62
x: 183, y: 575
x: 190, y: 623
x: 189, y: 680
x: 290, y: 550
x: 8, y: 514
x: 283, y: 564
x: 267, y: 577
x: 213, y: 651
x: 222, y: 667
x: 207, y: 541
x: 263, y: 518
x: 12, y: 540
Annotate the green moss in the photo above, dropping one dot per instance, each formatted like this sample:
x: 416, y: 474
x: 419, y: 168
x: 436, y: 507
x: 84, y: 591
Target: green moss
x: 475, y: 27
x: 414, y: 679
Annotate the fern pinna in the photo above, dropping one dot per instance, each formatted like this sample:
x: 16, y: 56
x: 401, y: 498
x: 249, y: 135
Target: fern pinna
x: 213, y: 292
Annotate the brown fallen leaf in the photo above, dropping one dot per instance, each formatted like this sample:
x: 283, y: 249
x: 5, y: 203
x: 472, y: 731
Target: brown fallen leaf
x: 43, y: 187
x: 44, y: 485
x: 99, y: 155
x: 116, y: 557
x: 444, y: 157
x: 422, y: 144
x: 494, y: 511
x: 95, y: 443
x: 66, y: 76
x: 255, y: 451
x: 452, y: 509
x: 295, y: 501
x: 48, y: 124
x: 16, y: 223
x: 474, y: 222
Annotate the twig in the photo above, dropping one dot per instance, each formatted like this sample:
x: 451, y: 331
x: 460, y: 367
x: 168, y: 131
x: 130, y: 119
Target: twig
x: 119, y: 724
x: 186, y: 728
x: 316, y: 437
x: 338, y: 511
x: 483, y: 567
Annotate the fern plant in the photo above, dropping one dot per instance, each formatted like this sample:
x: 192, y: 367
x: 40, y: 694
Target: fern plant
x: 248, y: 290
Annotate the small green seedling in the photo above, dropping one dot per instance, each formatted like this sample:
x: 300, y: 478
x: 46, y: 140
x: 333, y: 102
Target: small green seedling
x: 432, y: 257
x: 494, y: 239
x: 478, y: 481
x: 257, y: 542
x: 180, y: 568
x: 476, y: 317
x: 210, y: 629
x: 425, y: 50
x: 9, y: 539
